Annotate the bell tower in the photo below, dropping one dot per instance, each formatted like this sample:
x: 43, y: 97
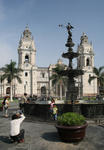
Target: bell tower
x: 26, y: 61
x: 86, y: 57
x: 85, y: 62
x: 26, y: 50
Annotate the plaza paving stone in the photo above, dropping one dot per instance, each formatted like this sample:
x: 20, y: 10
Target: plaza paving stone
x: 43, y: 136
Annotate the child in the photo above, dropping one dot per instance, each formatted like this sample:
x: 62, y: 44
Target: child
x: 51, y: 105
x: 55, y: 111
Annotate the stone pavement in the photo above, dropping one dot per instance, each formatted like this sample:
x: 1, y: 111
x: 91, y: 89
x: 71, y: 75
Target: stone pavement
x: 43, y: 136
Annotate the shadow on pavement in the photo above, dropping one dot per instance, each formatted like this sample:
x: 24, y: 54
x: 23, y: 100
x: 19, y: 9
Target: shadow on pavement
x: 5, y: 139
x: 51, y: 136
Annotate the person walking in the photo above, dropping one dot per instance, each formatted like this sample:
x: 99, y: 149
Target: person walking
x: 16, y: 134
x: 5, y: 104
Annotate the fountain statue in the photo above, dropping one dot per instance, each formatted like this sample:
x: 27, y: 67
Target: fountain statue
x: 70, y: 73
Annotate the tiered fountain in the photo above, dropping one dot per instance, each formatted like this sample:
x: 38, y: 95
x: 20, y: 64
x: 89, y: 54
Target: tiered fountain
x: 72, y: 90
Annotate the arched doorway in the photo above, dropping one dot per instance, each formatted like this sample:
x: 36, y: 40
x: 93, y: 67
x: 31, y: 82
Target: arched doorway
x: 43, y: 90
x: 8, y: 90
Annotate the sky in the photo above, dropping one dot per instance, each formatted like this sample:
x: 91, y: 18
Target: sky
x: 43, y: 18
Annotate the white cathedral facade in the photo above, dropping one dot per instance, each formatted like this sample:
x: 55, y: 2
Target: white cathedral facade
x: 36, y: 80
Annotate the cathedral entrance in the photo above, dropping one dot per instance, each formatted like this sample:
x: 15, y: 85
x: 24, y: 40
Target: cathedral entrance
x: 43, y: 91
x: 8, y: 90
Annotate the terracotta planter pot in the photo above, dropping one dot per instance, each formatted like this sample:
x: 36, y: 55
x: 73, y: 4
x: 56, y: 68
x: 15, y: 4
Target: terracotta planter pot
x: 71, y: 133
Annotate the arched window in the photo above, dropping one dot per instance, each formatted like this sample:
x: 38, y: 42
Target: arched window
x: 89, y: 78
x: 43, y: 90
x: 8, y: 90
x: 26, y: 74
x: 87, y: 62
x: 43, y: 75
x: 27, y: 58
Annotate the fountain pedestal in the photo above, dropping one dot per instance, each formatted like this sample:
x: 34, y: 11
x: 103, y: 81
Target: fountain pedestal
x: 72, y: 93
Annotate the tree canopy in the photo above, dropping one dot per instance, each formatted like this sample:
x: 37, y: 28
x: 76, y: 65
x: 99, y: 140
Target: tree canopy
x: 11, y: 72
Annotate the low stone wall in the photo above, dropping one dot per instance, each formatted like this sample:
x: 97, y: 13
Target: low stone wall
x: 92, y: 110
x: 42, y: 110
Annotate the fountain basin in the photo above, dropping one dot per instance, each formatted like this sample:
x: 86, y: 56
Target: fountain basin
x: 42, y: 110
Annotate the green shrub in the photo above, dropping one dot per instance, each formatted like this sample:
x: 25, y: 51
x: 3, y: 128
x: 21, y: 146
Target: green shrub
x: 89, y: 98
x: 71, y: 119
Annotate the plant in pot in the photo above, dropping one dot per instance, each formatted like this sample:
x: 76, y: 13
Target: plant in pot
x: 71, y: 127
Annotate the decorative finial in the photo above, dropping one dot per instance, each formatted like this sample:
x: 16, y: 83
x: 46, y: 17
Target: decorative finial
x: 84, y: 34
x: 27, y: 27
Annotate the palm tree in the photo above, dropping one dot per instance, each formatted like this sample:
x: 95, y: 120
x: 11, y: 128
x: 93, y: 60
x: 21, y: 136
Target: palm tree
x: 11, y: 73
x: 99, y: 75
x: 57, y: 77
